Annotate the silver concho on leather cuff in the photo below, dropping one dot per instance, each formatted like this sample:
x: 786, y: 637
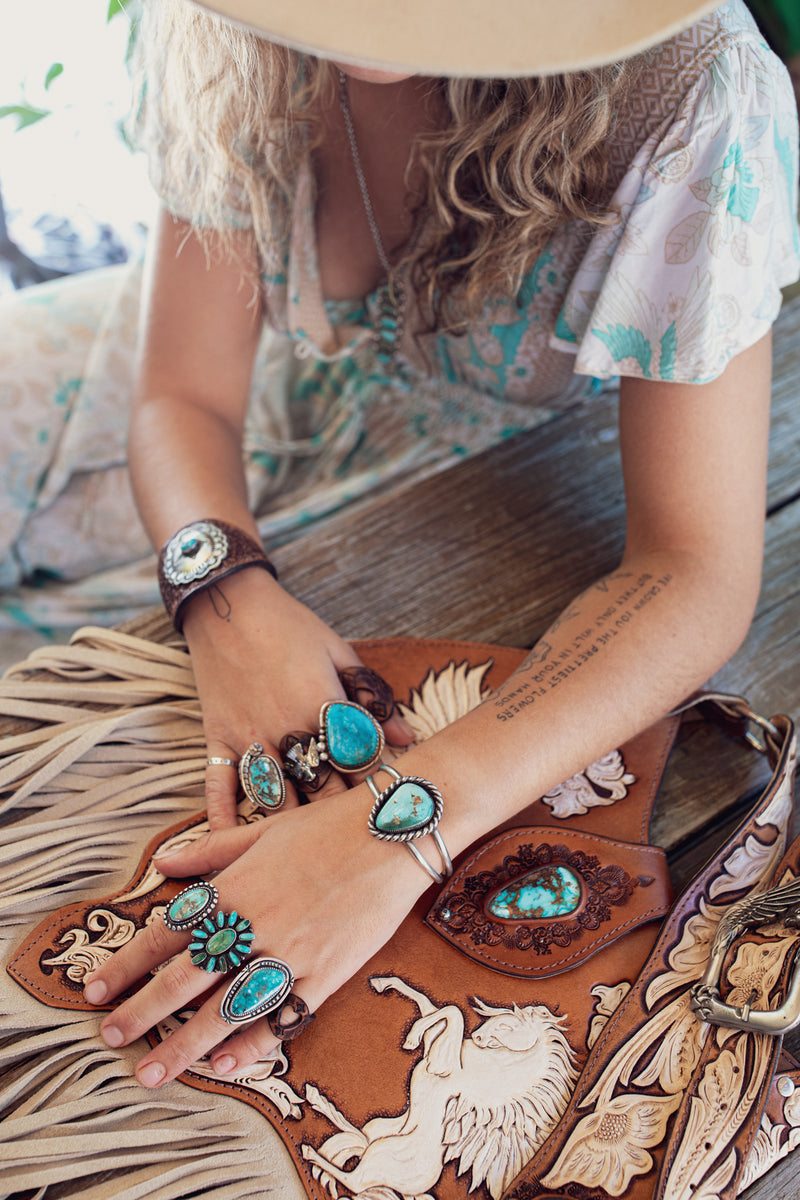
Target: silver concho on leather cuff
x: 193, y: 552
x: 199, y: 555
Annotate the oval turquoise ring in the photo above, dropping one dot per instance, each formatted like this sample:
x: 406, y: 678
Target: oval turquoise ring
x: 262, y: 779
x: 349, y: 737
x: 190, y: 906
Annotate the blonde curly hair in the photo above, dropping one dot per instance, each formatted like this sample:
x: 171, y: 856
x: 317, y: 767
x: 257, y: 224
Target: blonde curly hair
x: 227, y: 117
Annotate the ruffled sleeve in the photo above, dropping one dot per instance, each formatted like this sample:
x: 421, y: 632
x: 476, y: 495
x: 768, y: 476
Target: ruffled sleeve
x: 703, y: 233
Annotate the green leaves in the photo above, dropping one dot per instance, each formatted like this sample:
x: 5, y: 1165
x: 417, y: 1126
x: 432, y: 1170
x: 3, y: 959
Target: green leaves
x: 26, y: 114
x: 54, y: 72
x: 114, y: 8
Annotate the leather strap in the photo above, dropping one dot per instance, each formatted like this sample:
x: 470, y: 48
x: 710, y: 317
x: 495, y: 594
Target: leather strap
x: 662, y: 1090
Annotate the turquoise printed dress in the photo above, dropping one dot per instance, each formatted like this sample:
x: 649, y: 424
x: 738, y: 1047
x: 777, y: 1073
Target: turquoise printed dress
x: 687, y: 270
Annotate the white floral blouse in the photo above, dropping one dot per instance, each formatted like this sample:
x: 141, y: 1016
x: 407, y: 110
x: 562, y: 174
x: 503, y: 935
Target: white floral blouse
x: 687, y: 271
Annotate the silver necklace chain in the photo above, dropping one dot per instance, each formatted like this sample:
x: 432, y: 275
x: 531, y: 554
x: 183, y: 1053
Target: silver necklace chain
x: 359, y: 170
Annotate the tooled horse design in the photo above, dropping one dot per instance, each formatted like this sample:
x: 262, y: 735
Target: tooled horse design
x: 487, y: 1101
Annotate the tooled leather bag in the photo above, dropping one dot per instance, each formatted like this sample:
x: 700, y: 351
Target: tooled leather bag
x: 488, y: 1053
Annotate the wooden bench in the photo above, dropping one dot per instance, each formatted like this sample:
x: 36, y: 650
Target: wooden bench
x: 524, y: 527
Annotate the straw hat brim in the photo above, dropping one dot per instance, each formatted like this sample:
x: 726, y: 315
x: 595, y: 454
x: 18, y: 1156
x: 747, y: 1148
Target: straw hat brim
x: 467, y: 37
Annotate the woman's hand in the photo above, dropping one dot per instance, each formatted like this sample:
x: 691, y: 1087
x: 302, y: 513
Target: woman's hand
x: 355, y: 891
x: 264, y: 666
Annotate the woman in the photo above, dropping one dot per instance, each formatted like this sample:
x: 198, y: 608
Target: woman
x: 633, y: 220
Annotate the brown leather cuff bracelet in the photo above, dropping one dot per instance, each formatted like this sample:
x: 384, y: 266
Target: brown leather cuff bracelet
x: 200, y: 555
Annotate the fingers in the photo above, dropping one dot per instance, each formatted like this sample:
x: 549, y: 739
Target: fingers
x: 257, y: 1041
x: 147, y: 950
x: 397, y: 731
x: 211, y: 852
x: 173, y: 989
x: 222, y: 785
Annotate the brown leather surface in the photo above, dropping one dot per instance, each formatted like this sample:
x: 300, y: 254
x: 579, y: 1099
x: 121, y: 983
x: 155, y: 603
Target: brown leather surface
x: 425, y: 1039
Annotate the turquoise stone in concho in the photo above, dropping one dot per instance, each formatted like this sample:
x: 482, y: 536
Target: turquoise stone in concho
x: 262, y: 986
x: 546, y: 893
x: 352, y: 736
x: 408, y: 807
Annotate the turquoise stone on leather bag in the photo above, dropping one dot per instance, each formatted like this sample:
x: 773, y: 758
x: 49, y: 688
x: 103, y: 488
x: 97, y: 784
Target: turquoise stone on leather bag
x: 259, y: 988
x: 349, y: 737
x: 540, y: 895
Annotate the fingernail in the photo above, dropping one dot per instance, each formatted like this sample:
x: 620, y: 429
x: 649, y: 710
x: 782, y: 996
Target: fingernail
x: 151, y: 1074
x: 169, y: 853
x: 111, y: 1035
x: 224, y: 1064
x: 95, y: 991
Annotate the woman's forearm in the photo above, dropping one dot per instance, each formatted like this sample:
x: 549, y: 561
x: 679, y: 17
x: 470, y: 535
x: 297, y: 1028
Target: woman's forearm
x: 622, y: 654
x: 185, y: 463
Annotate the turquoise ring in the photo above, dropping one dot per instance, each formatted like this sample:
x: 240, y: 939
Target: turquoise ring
x: 221, y: 942
x: 190, y: 906
x: 349, y: 737
x: 409, y: 808
x: 260, y: 987
x: 262, y: 779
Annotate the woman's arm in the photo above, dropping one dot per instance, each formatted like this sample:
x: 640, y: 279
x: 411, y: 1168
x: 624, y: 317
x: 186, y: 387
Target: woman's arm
x: 200, y: 328
x: 624, y: 652
x: 640, y: 640
x: 264, y: 664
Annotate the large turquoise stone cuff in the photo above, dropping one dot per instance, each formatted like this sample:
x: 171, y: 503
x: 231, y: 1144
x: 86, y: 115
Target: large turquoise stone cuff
x: 409, y: 808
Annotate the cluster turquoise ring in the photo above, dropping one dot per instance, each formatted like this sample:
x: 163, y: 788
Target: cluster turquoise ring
x: 349, y: 739
x: 220, y: 940
x: 409, y: 808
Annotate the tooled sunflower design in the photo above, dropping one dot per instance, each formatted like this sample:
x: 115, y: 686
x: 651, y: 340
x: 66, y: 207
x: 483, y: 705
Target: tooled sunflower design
x: 221, y: 942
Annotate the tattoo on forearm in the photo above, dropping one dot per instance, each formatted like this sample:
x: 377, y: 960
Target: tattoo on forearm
x: 544, y: 670
x: 219, y: 602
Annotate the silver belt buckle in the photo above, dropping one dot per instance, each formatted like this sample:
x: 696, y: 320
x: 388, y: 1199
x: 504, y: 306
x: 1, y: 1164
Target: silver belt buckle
x: 751, y: 913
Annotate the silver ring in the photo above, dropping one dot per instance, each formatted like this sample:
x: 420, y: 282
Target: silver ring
x: 259, y: 988
x: 214, y: 761
x: 262, y: 779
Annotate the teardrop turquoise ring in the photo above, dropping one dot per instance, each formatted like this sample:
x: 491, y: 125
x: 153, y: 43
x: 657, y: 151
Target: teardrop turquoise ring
x: 259, y: 988
x: 262, y: 779
x: 409, y: 808
x: 349, y: 737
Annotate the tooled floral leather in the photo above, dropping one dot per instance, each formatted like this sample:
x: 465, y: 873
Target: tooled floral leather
x: 622, y: 887
x: 433, y: 1072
